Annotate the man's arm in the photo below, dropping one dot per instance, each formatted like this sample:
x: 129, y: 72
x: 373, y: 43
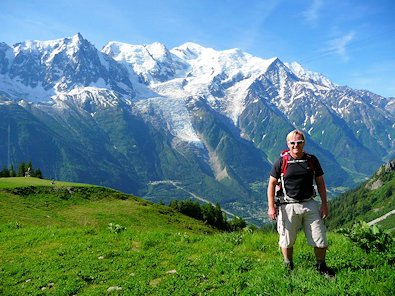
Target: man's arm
x: 270, y: 198
x: 322, y: 191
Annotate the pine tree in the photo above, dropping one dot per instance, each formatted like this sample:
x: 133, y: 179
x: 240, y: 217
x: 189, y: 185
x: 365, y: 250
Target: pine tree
x: 208, y: 212
x: 38, y: 174
x: 21, y: 169
x: 5, y: 173
x: 12, y: 172
x: 219, y: 217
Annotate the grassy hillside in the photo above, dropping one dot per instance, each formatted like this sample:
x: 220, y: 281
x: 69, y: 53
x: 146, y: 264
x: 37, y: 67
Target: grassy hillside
x: 34, y: 202
x: 76, y: 239
x: 371, y: 200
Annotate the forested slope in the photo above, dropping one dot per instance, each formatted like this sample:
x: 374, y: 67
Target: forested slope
x: 371, y: 200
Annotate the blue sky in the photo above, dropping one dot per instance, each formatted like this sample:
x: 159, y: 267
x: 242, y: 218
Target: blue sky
x: 352, y: 42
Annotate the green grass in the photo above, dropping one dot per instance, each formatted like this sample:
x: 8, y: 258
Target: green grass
x: 57, y: 241
x: 15, y: 182
x: 388, y: 224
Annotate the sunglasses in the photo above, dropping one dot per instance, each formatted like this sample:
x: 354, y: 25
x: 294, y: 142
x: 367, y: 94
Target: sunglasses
x: 299, y: 142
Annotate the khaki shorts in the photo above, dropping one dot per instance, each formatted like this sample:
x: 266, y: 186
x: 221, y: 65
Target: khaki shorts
x: 306, y: 215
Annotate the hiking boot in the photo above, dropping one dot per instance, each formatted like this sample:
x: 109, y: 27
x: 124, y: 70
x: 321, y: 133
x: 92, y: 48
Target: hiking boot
x: 289, y: 265
x: 323, y: 269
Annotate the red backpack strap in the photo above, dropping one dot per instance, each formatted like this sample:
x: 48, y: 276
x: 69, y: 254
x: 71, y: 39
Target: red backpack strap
x: 285, y: 158
x: 284, y: 163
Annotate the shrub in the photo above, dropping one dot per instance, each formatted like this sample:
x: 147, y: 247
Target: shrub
x: 208, y: 213
x: 237, y: 223
x: 369, y: 238
x: 116, y: 228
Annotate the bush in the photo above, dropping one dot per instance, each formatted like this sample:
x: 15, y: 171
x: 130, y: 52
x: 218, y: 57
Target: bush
x: 208, y: 213
x: 188, y: 207
x: 368, y: 238
x: 237, y: 224
x: 116, y: 228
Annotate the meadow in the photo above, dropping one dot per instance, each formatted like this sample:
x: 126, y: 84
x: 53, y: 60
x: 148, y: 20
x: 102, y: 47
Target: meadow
x: 77, y: 239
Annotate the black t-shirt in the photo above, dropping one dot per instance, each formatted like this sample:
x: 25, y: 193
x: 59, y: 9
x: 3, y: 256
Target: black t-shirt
x: 299, y: 176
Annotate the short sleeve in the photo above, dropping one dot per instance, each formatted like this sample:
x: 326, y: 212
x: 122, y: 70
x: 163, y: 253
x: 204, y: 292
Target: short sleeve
x: 276, y: 169
x: 317, y: 166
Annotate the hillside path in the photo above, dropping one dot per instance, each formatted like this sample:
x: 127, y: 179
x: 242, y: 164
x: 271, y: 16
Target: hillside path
x: 381, y: 218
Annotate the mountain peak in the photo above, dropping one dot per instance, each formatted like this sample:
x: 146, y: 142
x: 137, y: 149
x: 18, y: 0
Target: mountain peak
x: 192, y: 46
x: 77, y: 39
x: 116, y: 49
x: 49, y: 45
x: 4, y: 45
x: 274, y: 61
x: 190, y: 51
x: 151, y: 63
x: 78, y: 36
x: 157, y: 47
x: 307, y: 75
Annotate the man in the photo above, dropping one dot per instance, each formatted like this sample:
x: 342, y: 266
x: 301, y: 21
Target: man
x: 297, y: 207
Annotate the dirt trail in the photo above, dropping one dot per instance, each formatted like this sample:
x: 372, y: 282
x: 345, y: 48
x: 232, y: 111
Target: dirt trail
x: 381, y: 218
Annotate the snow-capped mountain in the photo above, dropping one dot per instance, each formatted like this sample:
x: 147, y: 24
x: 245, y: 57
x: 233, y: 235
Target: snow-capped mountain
x: 39, y: 70
x: 189, y: 122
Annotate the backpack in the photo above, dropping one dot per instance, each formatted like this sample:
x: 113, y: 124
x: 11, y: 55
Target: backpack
x: 285, y: 160
x: 284, y: 165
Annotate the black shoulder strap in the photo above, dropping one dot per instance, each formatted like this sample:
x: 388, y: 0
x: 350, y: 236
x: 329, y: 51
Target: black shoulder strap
x: 310, y: 161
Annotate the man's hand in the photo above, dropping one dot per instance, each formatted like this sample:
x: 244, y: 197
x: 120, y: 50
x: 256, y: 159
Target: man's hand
x: 324, y: 210
x: 270, y: 198
x: 272, y: 212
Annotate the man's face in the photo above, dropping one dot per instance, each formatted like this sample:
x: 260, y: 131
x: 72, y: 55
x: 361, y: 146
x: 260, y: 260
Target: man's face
x: 295, y: 145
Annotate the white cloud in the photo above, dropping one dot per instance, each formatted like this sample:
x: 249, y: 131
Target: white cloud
x: 339, y: 45
x: 311, y: 15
